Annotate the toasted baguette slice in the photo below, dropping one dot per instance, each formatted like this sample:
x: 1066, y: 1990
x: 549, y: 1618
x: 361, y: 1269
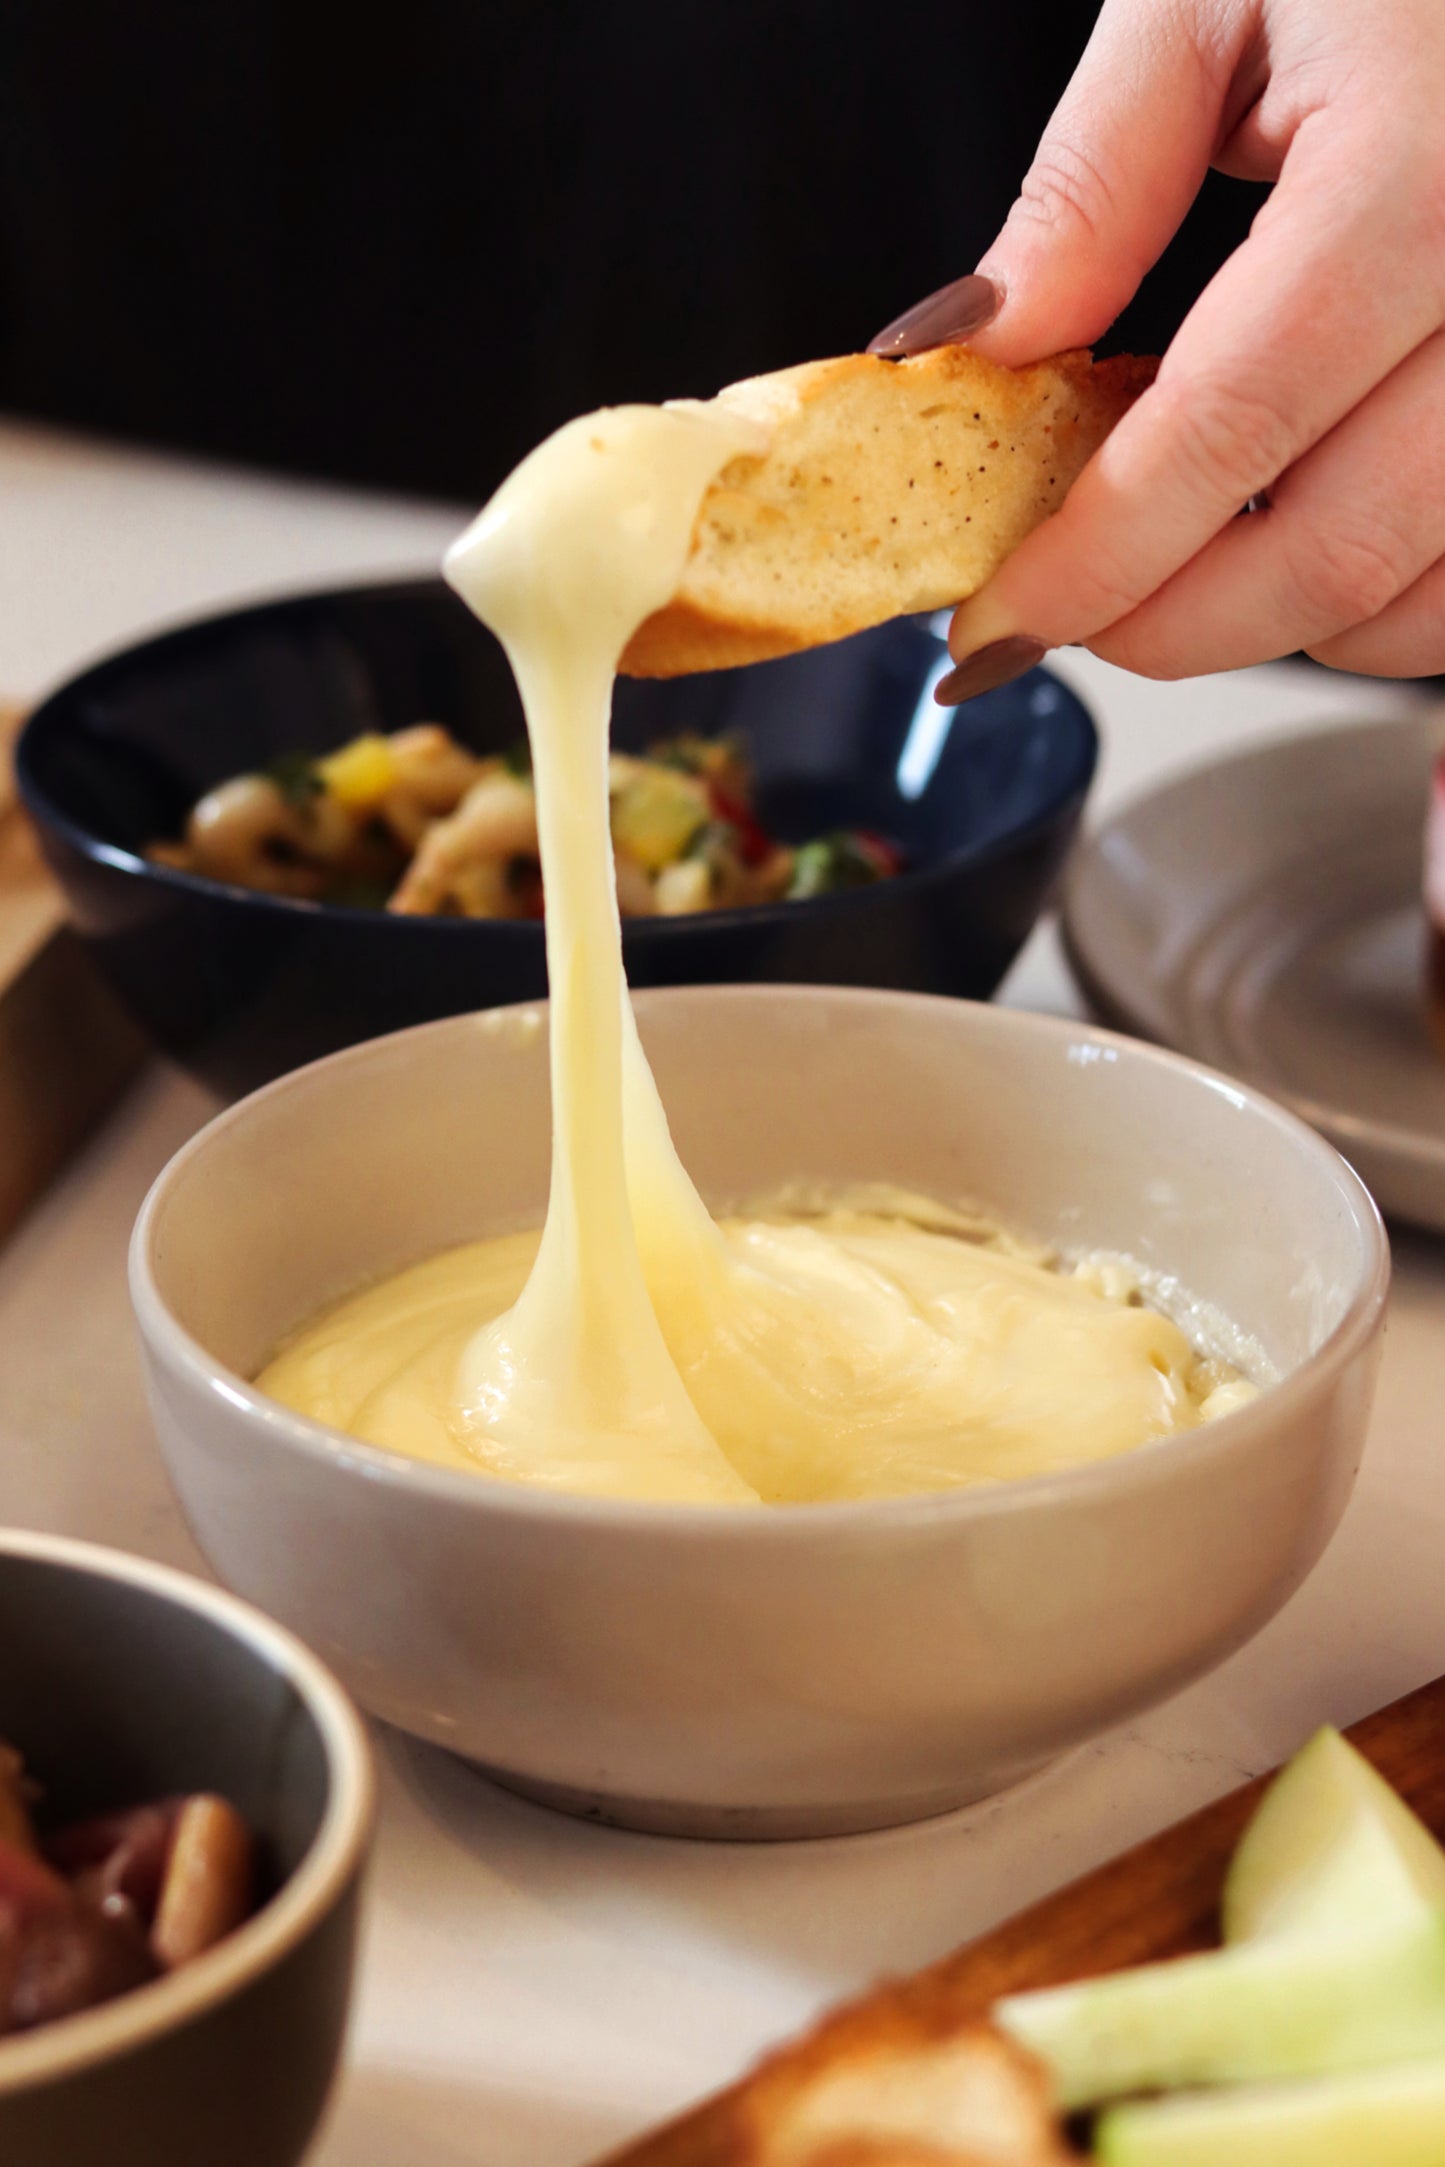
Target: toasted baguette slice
x: 889, y: 487
x: 894, y: 2081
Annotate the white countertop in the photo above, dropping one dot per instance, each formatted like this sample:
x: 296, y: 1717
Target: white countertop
x: 532, y: 1989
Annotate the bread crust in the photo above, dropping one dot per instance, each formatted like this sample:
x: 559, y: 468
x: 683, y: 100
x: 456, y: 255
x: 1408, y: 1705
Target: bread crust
x: 889, y: 487
x: 903, y: 2078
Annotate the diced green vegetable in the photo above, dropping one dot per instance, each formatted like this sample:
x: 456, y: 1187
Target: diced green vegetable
x: 831, y: 863
x: 1384, y: 2118
x: 812, y: 870
x: 1331, y: 1847
x: 296, y: 776
x: 1282, y: 2006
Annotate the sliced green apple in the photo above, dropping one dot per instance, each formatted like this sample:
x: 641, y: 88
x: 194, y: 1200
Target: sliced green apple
x: 1283, y: 2006
x: 1386, y: 2117
x: 1331, y: 1846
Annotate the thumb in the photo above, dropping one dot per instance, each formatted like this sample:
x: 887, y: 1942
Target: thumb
x: 1120, y: 163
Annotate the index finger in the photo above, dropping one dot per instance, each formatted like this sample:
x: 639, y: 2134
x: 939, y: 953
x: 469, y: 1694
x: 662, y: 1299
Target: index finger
x: 1332, y: 289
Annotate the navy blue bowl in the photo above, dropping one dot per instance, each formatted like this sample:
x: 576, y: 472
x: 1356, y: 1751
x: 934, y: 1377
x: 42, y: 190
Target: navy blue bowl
x: 983, y: 800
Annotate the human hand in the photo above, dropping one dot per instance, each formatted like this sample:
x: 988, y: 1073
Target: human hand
x: 1309, y: 374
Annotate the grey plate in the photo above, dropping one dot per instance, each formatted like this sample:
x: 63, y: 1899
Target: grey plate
x: 1264, y: 915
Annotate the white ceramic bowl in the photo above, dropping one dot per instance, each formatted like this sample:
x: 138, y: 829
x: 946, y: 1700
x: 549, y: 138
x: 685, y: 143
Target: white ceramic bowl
x: 804, y: 1669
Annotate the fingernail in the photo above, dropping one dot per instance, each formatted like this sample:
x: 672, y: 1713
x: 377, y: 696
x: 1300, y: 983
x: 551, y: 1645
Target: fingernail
x: 997, y: 664
x: 955, y: 312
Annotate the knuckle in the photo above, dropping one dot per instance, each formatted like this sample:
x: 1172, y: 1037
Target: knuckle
x: 1230, y: 440
x: 1066, y: 187
x: 1344, y: 574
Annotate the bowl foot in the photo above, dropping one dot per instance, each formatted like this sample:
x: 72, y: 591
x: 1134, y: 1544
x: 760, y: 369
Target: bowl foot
x: 756, y: 1824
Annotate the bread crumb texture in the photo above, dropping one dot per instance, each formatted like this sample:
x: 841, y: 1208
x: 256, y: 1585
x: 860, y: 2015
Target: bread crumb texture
x: 889, y: 487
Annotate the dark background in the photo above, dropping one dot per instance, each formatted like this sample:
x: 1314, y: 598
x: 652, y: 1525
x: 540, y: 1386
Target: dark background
x: 398, y: 244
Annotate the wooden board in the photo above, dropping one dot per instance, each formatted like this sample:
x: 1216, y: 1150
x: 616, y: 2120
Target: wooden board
x: 1159, y: 1900
x: 66, y: 1051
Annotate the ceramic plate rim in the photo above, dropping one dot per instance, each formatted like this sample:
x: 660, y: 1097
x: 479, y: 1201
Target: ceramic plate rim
x: 1380, y: 1149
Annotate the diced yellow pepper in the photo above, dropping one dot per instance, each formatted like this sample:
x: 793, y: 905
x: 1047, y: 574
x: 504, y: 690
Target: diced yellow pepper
x: 656, y: 816
x: 360, y: 774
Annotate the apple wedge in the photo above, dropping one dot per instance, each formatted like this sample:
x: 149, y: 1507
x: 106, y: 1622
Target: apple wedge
x: 1330, y: 1847
x: 1282, y: 2006
x: 1386, y: 2117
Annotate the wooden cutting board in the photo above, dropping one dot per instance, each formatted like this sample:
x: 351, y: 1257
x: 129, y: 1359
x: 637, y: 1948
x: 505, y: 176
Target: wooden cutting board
x: 66, y: 1051
x: 1161, y: 1899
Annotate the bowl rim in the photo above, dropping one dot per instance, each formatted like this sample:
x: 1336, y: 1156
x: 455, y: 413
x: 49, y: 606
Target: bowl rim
x: 1069, y: 790
x: 1242, y: 1429
x: 334, y: 1856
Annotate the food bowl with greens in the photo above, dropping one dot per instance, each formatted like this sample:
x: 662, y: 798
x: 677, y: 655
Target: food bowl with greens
x: 815, y: 819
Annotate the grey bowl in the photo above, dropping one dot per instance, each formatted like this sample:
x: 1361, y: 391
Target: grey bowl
x: 796, y: 1670
x: 122, y: 1680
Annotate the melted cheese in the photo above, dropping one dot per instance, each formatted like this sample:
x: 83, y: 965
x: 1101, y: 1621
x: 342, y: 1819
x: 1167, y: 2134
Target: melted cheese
x: 846, y: 1355
x: 636, y: 1349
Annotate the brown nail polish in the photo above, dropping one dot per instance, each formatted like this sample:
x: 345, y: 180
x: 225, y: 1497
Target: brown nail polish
x: 955, y: 312
x: 997, y: 664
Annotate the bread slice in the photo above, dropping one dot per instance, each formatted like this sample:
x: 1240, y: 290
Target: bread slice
x: 898, y: 2080
x: 889, y: 487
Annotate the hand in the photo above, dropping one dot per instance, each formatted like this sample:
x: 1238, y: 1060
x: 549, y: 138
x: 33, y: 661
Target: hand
x: 1310, y: 374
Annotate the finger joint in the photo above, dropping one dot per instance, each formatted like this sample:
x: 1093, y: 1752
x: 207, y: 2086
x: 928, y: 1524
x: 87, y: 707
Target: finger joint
x: 1231, y: 440
x: 1065, y: 186
x: 1344, y: 573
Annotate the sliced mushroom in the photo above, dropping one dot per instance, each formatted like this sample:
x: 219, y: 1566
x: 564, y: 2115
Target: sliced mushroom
x: 495, y: 822
x: 209, y: 1881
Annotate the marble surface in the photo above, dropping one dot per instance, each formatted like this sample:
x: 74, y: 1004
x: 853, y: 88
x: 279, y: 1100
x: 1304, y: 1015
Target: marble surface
x: 532, y: 1990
